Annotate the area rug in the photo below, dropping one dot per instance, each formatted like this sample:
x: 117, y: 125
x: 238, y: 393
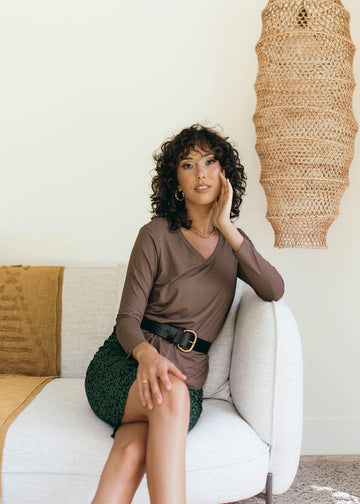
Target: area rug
x: 322, y: 479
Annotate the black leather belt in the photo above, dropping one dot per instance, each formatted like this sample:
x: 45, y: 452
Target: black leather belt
x: 185, y: 339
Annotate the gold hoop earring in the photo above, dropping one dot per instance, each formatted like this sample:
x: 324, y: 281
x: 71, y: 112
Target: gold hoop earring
x: 177, y: 197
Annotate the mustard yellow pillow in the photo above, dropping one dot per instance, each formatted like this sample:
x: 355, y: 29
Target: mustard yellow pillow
x: 30, y: 319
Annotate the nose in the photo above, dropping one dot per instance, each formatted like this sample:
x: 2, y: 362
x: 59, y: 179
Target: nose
x: 200, y: 172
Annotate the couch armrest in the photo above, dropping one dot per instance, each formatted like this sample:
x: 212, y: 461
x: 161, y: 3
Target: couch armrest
x: 266, y: 381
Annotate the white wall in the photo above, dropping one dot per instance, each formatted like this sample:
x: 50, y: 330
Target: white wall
x: 90, y: 89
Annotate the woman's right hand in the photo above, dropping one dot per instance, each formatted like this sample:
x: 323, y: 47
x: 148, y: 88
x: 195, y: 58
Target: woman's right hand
x: 153, y: 367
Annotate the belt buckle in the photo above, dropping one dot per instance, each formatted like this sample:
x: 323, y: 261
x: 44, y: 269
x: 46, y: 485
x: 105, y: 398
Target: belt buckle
x: 192, y: 342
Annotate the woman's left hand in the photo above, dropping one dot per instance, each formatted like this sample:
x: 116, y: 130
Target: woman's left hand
x: 222, y: 207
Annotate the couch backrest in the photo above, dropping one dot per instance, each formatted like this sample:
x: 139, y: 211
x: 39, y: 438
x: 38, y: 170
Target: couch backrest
x: 90, y: 302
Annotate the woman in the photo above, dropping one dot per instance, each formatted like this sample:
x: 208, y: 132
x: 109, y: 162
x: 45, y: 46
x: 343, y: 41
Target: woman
x: 146, y: 380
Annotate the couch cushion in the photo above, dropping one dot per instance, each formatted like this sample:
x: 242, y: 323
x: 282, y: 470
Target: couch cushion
x: 122, y: 268
x: 67, y: 438
x: 217, y: 382
x: 89, y: 314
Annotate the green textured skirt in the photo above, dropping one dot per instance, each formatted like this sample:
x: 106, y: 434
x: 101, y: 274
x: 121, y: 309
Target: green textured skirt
x: 109, y: 377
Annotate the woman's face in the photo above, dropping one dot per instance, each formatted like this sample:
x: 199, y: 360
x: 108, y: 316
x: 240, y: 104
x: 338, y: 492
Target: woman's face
x: 199, y: 177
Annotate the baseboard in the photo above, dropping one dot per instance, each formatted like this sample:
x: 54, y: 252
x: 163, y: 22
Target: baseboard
x: 354, y: 459
x: 331, y: 436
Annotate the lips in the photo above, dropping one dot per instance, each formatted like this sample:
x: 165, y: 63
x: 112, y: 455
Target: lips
x: 202, y: 187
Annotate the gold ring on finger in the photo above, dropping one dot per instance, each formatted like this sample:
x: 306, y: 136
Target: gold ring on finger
x: 145, y: 381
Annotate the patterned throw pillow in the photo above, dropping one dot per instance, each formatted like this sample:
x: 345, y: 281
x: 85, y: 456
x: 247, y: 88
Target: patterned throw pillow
x: 30, y: 322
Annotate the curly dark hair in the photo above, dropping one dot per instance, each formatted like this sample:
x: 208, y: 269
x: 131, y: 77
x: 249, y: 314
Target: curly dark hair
x: 165, y: 181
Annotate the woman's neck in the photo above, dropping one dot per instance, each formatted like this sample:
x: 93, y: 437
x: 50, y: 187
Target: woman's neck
x: 201, y: 222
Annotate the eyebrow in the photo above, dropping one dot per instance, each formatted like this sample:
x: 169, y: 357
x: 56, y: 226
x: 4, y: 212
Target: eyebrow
x: 208, y: 154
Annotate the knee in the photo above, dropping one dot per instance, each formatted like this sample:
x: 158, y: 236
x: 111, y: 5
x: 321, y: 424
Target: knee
x: 177, y: 399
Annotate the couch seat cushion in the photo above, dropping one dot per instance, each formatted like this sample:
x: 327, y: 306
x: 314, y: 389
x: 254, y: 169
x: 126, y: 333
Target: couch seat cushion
x: 58, y: 435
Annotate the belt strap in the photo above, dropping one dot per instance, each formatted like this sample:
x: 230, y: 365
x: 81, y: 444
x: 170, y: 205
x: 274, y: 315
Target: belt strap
x: 176, y: 335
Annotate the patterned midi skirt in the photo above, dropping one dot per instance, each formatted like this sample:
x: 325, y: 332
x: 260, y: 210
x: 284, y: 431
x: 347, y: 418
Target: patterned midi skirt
x: 109, y: 377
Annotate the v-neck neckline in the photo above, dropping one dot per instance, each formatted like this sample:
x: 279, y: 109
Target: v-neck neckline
x: 194, y: 250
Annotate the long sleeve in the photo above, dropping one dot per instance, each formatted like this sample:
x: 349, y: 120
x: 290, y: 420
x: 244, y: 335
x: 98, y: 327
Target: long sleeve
x: 140, y: 276
x: 256, y: 271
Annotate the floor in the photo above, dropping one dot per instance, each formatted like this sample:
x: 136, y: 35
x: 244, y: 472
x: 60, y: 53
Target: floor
x: 322, y: 479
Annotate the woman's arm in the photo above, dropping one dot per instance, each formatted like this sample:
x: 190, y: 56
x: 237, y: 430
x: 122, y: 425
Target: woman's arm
x: 140, y: 277
x: 253, y: 268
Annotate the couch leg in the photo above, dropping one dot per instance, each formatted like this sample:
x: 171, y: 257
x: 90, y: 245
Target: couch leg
x: 269, y: 498
x: 268, y: 495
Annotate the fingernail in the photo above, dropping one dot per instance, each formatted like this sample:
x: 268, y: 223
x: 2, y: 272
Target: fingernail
x: 168, y: 387
x: 158, y: 400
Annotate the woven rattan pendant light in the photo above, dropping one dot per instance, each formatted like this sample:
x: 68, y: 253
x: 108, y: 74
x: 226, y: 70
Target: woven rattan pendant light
x: 304, y: 122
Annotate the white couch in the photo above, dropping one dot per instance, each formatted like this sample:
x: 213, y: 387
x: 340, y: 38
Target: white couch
x: 251, y: 423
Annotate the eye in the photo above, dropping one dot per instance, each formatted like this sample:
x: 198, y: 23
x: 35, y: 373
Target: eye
x: 212, y: 159
x: 186, y: 164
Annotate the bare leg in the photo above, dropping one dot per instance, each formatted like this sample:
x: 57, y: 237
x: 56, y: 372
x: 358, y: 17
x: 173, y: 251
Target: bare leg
x: 166, y: 444
x: 163, y: 448
x: 125, y: 465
